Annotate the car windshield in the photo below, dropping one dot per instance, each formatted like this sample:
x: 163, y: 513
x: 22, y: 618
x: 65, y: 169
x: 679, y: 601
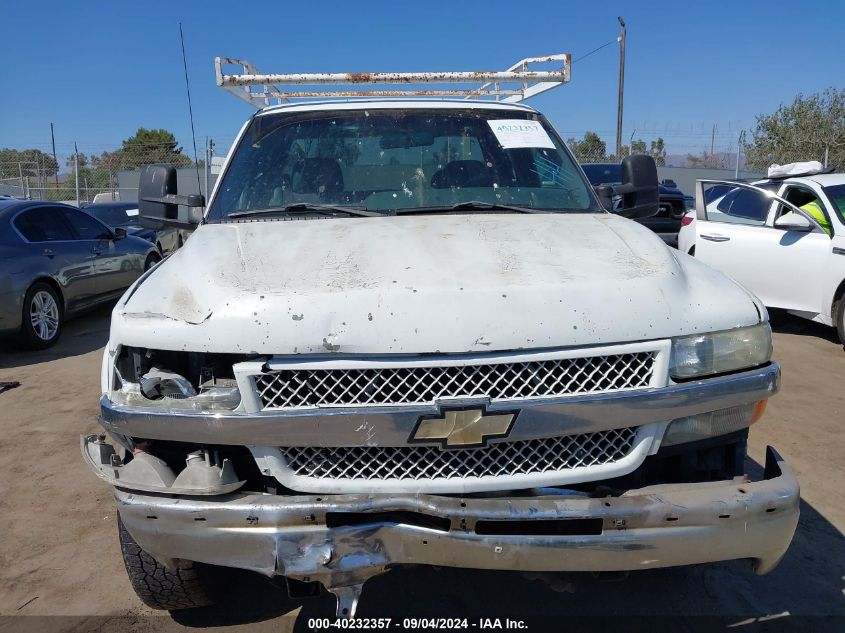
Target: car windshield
x: 393, y: 160
x: 114, y: 216
x: 836, y: 193
x: 603, y: 173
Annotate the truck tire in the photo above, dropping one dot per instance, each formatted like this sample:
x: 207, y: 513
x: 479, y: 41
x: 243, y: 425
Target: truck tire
x: 188, y: 586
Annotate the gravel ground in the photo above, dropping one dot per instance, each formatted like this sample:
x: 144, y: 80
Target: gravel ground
x: 60, y: 566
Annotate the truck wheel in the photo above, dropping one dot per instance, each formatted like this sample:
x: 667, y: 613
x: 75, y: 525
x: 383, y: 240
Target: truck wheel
x: 188, y: 586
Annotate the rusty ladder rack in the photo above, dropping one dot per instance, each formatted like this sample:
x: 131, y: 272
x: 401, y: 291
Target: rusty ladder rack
x: 513, y: 85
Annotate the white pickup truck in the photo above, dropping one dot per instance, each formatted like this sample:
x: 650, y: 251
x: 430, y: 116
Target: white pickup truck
x: 408, y: 332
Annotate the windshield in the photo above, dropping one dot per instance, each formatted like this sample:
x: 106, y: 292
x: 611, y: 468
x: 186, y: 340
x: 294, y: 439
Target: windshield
x: 114, y: 216
x: 836, y: 194
x: 388, y: 160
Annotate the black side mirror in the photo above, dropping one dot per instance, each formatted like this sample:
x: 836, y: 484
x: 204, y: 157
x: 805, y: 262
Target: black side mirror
x: 639, y: 188
x: 605, y: 194
x: 668, y: 182
x: 158, y: 199
x: 119, y: 233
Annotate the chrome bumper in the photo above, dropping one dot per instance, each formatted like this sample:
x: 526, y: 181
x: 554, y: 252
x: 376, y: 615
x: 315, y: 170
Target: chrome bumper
x: 333, y: 540
x: 392, y: 426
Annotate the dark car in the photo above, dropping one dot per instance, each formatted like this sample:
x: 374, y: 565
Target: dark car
x: 55, y: 262
x: 125, y: 215
x: 672, y: 201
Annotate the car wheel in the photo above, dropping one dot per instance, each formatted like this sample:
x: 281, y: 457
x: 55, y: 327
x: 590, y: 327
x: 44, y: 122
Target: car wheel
x: 152, y: 260
x: 839, y: 312
x: 187, y: 586
x: 42, y: 320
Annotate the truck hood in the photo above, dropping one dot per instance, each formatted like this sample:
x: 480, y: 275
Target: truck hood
x: 446, y: 283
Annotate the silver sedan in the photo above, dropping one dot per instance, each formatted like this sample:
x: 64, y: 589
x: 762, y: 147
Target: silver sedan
x: 55, y: 262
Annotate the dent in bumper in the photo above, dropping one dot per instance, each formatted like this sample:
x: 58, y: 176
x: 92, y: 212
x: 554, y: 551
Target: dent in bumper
x: 658, y: 526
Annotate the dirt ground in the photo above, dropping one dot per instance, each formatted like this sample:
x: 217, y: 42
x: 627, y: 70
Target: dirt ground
x: 59, y: 556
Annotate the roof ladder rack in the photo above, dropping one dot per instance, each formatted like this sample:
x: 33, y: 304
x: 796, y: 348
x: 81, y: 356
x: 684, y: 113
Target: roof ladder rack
x: 517, y: 83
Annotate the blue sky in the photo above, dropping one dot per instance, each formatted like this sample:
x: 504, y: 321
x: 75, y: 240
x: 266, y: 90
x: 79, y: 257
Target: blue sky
x: 98, y: 71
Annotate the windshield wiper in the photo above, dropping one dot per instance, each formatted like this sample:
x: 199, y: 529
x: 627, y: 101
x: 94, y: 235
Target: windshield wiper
x: 308, y: 207
x: 471, y: 205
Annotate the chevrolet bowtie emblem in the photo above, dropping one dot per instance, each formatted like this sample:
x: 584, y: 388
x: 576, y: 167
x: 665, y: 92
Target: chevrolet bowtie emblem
x: 463, y: 428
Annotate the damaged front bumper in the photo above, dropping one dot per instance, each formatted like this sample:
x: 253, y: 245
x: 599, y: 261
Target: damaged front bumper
x: 342, y: 540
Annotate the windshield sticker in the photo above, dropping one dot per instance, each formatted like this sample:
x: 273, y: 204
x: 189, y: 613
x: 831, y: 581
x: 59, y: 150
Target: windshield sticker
x: 131, y: 211
x: 515, y: 133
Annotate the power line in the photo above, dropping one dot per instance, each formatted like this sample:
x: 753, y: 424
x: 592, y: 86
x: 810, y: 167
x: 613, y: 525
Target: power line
x: 596, y: 50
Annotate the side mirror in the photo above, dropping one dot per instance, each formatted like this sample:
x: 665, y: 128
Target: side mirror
x: 158, y: 202
x: 119, y: 233
x: 639, y: 188
x: 668, y: 182
x: 793, y: 222
x: 605, y: 194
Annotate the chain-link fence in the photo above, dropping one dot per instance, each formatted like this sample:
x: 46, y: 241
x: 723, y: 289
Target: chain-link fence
x: 80, y: 177
x: 109, y: 175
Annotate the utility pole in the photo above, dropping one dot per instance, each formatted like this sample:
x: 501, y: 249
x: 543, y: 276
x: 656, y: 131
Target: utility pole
x: 621, y: 89
x: 53, y: 138
x: 713, y: 139
x: 76, y: 170
x: 738, y: 151
x: 20, y: 172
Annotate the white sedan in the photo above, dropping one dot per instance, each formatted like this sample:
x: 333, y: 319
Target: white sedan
x: 758, y: 234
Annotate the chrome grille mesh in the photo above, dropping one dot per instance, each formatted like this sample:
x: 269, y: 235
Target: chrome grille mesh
x: 522, y: 457
x: 425, y: 385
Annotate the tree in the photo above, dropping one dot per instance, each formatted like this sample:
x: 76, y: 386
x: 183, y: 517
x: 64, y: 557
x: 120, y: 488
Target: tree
x: 82, y: 161
x: 32, y: 162
x: 151, y: 146
x: 636, y: 147
x: 85, y: 173
x: 591, y: 149
x: 658, y: 151
x: 801, y: 131
x: 107, y: 161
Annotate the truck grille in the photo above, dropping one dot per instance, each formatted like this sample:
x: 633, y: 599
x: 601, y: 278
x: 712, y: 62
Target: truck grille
x: 524, y: 457
x: 425, y: 385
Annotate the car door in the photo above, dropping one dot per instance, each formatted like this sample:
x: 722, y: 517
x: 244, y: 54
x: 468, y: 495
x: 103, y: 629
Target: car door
x: 834, y: 268
x: 56, y: 251
x: 795, y: 260
x: 111, y: 269
x: 732, y: 235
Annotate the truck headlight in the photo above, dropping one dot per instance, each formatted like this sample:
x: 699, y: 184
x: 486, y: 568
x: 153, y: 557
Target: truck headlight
x: 720, y: 352
x: 713, y: 423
